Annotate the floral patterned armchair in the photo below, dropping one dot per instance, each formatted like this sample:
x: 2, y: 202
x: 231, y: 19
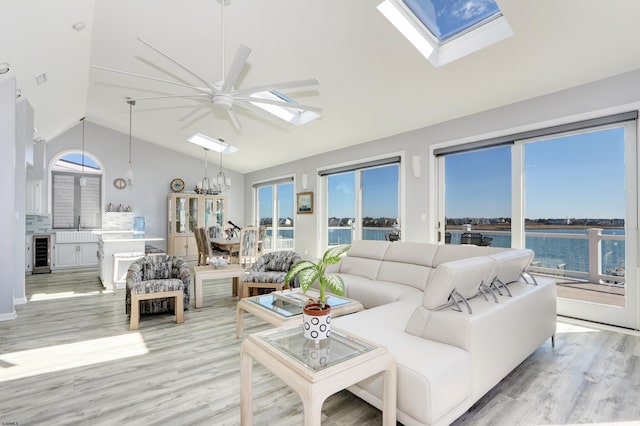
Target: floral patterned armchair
x: 270, y: 270
x: 154, y: 274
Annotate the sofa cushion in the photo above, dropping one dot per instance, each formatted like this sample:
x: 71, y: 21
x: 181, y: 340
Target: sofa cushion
x: 449, y: 252
x: 407, y: 263
x: 363, y: 258
x: 464, y: 275
x: 432, y: 378
x: 511, y: 263
x: 157, y: 286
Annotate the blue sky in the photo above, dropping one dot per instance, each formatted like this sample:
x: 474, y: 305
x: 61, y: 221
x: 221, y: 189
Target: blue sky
x: 379, y: 193
x: 575, y: 176
x: 445, y: 18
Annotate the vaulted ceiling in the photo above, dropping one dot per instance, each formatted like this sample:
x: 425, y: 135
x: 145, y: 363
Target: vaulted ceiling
x: 373, y: 83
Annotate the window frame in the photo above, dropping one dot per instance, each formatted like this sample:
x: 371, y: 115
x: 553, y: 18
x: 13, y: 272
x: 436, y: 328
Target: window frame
x: 352, y: 166
x: 52, y: 170
x: 275, y: 223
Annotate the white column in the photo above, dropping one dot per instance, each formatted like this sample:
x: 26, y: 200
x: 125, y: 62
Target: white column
x: 7, y: 188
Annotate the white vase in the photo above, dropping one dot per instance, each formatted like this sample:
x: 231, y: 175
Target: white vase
x: 316, y: 321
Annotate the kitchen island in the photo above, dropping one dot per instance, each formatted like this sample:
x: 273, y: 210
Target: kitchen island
x: 110, y: 243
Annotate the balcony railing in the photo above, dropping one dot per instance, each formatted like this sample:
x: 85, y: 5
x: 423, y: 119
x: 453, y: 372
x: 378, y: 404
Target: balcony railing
x: 593, y: 257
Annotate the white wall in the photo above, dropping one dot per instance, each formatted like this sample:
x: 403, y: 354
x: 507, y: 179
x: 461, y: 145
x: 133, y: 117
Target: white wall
x: 154, y: 167
x: 7, y: 184
x: 615, y: 94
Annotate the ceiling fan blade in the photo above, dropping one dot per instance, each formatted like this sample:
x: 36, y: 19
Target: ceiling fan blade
x: 193, y: 73
x: 234, y: 119
x: 278, y: 103
x: 236, y: 68
x: 278, y: 86
x: 194, y: 111
x: 148, y: 98
x: 199, y: 89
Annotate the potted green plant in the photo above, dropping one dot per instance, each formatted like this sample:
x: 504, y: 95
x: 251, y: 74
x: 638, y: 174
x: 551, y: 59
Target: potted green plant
x: 317, y: 316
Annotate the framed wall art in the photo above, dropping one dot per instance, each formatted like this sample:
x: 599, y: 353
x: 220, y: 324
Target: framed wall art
x: 304, y: 202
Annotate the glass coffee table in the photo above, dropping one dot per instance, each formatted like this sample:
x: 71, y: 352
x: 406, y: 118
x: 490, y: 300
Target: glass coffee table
x: 278, y: 312
x: 315, y: 370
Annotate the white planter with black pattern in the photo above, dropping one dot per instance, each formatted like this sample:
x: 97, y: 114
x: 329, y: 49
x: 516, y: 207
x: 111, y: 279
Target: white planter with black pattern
x: 316, y: 321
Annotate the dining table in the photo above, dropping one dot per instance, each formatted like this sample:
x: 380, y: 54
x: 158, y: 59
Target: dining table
x: 228, y: 245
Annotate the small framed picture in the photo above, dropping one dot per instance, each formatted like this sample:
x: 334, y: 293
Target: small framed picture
x: 304, y: 202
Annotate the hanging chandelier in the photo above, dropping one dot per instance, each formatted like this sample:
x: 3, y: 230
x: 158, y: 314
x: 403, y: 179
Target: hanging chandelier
x: 206, y: 184
x: 222, y: 183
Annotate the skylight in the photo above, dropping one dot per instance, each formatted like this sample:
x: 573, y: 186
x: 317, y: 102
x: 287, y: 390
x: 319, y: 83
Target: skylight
x: 291, y: 115
x: 446, y: 30
x: 446, y: 18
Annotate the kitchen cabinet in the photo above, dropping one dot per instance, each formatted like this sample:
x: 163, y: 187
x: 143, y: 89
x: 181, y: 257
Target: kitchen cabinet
x: 80, y: 255
x: 33, y: 201
x: 188, y: 212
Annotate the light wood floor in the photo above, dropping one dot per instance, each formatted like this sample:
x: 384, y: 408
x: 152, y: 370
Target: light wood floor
x: 69, y: 358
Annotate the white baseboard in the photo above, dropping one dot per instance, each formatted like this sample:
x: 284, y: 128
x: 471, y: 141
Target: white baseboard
x: 19, y: 301
x: 9, y: 316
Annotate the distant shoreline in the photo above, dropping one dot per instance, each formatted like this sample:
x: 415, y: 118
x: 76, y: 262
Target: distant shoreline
x: 505, y: 227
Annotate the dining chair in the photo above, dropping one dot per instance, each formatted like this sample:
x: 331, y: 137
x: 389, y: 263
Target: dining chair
x: 248, y: 249
x: 203, y: 252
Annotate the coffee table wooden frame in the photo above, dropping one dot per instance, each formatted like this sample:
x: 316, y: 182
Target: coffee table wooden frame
x: 273, y: 318
x: 314, y: 387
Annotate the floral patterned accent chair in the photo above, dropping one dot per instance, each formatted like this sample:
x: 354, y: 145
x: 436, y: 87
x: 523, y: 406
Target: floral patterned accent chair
x: 157, y: 284
x: 269, y: 271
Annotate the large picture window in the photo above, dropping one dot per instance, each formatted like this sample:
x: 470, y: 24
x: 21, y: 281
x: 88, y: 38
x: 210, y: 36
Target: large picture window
x: 363, y: 202
x: 569, y: 194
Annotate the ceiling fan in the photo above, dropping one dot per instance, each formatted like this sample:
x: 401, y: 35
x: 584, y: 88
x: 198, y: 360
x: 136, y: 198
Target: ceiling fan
x: 225, y: 96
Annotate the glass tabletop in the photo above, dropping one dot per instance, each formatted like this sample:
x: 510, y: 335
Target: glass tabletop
x: 287, y: 310
x: 316, y: 356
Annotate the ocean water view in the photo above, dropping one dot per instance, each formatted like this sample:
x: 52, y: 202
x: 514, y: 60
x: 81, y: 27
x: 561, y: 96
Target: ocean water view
x: 569, y: 254
x: 558, y: 253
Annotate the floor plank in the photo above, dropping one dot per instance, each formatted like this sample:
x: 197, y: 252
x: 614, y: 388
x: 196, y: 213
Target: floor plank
x: 69, y: 358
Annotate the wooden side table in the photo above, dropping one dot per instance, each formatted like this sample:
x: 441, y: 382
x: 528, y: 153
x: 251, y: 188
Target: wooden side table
x: 208, y: 272
x: 315, y: 372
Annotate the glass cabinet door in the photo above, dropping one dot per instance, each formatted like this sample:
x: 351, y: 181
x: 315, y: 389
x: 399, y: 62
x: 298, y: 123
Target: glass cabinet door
x: 181, y: 215
x: 209, y: 211
x: 193, y: 214
x: 220, y: 212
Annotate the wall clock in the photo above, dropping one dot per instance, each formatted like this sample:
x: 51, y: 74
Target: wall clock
x: 120, y: 183
x: 177, y: 185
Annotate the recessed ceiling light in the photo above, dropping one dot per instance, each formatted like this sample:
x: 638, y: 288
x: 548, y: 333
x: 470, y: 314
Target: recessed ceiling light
x: 4, y: 67
x: 41, y: 78
x: 79, y: 26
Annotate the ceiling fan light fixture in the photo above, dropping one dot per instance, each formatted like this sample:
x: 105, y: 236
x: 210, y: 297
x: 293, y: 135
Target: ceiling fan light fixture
x: 212, y: 144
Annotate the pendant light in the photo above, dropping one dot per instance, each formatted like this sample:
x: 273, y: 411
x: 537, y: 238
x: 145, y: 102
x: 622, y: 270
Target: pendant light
x: 222, y: 183
x: 206, y: 185
x: 83, y: 179
x: 129, y: 174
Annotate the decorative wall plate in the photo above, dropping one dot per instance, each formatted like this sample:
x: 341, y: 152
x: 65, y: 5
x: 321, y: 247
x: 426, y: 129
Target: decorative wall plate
x: 177, y: 185
x: 120, y: 183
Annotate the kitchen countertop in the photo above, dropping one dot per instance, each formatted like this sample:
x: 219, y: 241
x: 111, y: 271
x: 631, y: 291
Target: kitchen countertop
x: 127, y: 236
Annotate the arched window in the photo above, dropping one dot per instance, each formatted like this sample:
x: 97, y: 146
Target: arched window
x: 76, y: 191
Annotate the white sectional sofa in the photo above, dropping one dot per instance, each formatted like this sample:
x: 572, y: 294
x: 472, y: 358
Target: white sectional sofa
x: 447, y: 358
